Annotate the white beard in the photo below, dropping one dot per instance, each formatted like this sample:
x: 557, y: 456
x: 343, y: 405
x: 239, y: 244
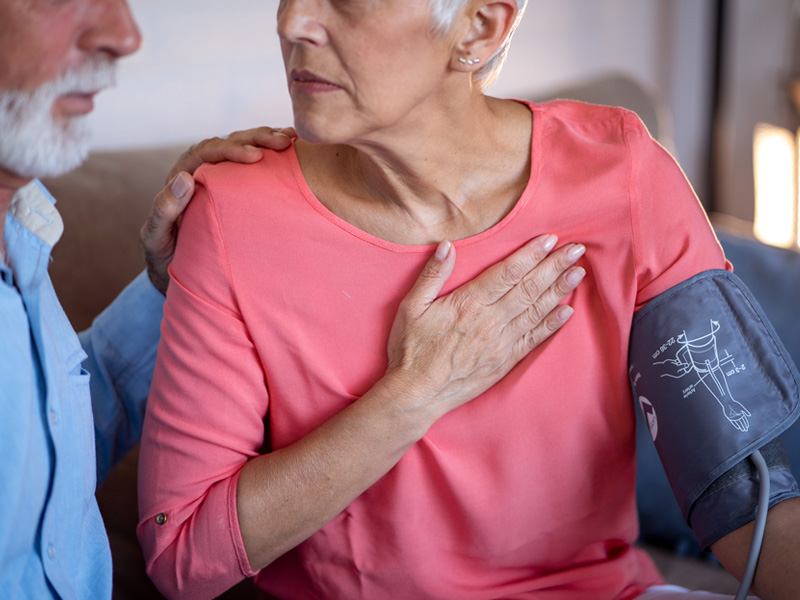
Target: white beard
x: 33, y: 143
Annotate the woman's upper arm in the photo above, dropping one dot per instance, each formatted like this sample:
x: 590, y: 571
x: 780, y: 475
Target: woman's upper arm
x: 204, y: 419
x: 673, y: 239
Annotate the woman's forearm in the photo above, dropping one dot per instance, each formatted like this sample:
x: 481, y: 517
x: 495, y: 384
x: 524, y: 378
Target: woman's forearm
x: 776, y: 575
x: 286, y: 496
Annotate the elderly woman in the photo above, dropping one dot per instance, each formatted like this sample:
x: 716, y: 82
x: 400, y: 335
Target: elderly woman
x: 282, y: 443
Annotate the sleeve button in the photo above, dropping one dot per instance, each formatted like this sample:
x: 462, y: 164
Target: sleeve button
x: 161, y: 518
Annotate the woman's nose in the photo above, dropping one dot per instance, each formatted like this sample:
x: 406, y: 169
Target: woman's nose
x: 110, y: 28
x: 302, y: 21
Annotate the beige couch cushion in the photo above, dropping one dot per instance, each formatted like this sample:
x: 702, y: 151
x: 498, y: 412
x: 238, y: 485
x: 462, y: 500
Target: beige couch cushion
x: 103, y: 204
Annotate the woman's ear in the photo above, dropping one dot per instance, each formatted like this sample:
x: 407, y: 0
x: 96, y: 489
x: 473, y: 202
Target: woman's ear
x: 489, y: 24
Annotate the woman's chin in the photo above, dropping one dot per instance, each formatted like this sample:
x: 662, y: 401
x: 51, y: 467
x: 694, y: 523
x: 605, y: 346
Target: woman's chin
x: 315, y: 135
x: 318, y: 129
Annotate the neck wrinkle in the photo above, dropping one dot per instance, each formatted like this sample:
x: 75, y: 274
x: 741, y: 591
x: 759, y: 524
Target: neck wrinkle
x: 439, y: 169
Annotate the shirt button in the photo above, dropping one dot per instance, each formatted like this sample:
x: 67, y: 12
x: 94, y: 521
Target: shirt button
x: 51, y: 551
x: 161, y: 518
x: 53, y: 418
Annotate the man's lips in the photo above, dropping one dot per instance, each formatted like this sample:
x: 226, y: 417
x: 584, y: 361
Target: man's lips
x: 75, y: 103
x: 306, y: 81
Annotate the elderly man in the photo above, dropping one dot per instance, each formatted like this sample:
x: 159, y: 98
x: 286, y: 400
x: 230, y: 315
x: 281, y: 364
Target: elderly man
x: 54, y: 57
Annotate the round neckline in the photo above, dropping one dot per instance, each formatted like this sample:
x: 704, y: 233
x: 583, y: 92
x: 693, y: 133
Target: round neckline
x: 527, y: 193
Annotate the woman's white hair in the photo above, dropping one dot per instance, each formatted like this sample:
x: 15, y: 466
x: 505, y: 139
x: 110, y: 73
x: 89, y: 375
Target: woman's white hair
x: 444, y: 13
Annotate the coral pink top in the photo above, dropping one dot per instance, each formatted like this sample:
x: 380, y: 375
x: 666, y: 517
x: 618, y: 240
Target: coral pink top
x: 278, y: 315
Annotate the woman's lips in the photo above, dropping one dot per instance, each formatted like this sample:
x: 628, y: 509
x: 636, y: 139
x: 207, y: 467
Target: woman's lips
x: 307, y: 82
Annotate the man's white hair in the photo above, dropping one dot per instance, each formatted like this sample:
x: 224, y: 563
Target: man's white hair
x: 444, y: 13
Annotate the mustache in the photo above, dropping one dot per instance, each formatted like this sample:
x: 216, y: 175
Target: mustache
x: 93, y: 75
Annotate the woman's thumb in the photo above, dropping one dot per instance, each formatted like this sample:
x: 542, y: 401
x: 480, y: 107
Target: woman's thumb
x: 431, y: 280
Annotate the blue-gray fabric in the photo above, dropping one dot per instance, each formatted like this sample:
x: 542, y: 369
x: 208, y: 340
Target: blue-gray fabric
x: 52, y: 540
x: 712, y: 377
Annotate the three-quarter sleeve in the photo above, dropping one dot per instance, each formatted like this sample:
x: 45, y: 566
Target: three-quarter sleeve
x: 672, y: 237
x: 204, y: 420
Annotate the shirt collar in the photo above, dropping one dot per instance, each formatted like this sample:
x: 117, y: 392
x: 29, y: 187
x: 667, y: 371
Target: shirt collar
x: 34, y: 208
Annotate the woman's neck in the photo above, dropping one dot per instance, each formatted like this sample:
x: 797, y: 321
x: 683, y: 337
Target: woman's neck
x: 447, y: 178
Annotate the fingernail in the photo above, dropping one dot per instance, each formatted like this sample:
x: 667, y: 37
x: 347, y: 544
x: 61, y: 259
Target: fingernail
x: 564, y: 313
x: 442, y: 250
x: 550, y: 242
x: 249, y: 147
x: 575, y: 276
x: 576, y: 252
x: 179, y: 186
x: 280, y: 133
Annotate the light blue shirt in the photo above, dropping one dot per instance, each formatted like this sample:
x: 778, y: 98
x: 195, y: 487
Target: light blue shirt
x: 53, y: 414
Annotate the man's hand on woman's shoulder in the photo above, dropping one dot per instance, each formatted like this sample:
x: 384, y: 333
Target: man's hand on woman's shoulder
x: 160, y: 231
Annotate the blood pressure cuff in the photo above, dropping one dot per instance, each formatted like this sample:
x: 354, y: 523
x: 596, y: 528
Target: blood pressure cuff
x: 714, y: 383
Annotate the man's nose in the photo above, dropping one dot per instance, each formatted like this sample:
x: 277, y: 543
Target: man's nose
x: 110, y: 28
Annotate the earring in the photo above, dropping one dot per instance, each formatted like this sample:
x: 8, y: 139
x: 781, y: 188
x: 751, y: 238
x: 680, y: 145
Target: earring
x: 469, y: 62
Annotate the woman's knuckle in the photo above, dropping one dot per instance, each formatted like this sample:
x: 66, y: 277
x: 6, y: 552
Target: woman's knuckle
x: 530, y: 341
x: 511, y: 273
x: 467, y: 307
x: 552, y: 323
x: 531, y: 289
x: 535, y: 313
x: 430, y: 271
x: 562, y: 288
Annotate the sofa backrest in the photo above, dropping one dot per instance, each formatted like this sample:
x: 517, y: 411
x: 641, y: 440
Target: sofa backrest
x: 104, y: 204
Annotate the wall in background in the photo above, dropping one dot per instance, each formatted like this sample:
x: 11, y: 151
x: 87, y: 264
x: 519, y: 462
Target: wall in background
x: 209, y: 67
x: 759, y: 56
